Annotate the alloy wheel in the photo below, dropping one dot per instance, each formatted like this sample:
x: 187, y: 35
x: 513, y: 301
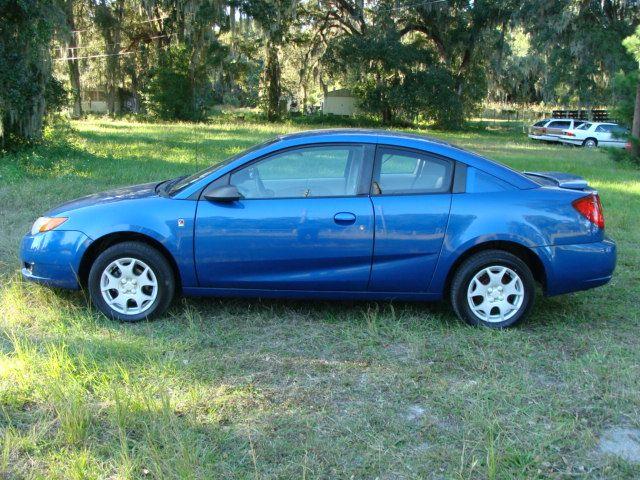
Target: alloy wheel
x: 129, y: 286
x: 495, y: 294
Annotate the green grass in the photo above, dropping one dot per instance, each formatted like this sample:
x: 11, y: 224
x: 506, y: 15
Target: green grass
x: 275, y: 389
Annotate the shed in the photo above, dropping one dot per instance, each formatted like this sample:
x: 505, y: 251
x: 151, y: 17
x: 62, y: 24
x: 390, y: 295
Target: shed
x: 339, y: 102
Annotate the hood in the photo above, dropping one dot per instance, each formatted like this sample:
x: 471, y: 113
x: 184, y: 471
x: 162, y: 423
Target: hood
x: 111, y: 196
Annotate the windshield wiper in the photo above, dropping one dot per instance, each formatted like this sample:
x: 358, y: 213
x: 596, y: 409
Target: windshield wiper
x: 164, y: 188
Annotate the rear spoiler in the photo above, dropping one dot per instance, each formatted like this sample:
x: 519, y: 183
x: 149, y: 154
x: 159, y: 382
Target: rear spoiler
x: 559, y: 179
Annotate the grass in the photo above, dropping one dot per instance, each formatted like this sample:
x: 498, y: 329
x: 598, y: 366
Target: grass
x: 276, y: 389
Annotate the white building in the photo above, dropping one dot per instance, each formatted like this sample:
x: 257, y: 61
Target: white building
x: 339, y: 102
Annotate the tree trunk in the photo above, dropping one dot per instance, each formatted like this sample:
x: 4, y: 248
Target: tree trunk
x: 272, y: 82
x: 635, y: 129
x: 72, y: 52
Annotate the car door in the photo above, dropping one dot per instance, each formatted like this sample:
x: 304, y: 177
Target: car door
x: 411, y: 195
x: 616, y: 136
x: 603, y: 135
x: 305, y: 222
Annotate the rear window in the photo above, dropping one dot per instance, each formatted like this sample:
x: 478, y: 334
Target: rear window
x: 541, y: 123
x: 584, y: 126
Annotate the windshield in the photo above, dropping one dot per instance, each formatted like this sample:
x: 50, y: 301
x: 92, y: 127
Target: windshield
x: 184, y: 182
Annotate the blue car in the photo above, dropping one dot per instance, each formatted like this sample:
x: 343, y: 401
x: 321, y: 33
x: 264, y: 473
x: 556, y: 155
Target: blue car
x: 333, y: 214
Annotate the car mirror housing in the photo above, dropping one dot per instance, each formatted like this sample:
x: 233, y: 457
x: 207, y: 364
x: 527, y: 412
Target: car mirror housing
x: 224, y: 194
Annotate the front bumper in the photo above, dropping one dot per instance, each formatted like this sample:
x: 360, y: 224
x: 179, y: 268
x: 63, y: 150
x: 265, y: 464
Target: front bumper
x: 53, y: 258
x: 571, y: 268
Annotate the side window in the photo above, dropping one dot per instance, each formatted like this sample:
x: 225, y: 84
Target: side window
x: 561, y: 124
x: 318, y: 171
x: 399, y: 172
x: 603, y: 128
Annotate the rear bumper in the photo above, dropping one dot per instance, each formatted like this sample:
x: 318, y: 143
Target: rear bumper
x: 571, y: 268
x: 53, y: 258
x: 547, y: 138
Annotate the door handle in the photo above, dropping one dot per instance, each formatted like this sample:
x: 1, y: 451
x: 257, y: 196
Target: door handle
x: 344, y: 218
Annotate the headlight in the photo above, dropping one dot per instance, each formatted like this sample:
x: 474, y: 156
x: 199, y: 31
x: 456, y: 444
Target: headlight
x: 44, y: 224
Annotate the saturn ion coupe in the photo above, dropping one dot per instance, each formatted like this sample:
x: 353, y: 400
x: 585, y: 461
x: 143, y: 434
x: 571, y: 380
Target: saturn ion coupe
x: 333, y: 214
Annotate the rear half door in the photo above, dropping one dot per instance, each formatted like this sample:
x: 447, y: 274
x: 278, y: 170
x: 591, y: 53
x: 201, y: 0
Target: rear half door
x: 411, y: 195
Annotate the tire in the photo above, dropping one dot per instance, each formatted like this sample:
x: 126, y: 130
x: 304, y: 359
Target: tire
x: 498, y: 308
x: 142, y: 280
x: 590, y: 143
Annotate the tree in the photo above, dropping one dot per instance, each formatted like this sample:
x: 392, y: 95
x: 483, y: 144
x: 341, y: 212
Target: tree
x: 72, y: 53
x: 581, y: 44
x: 274, y: 18
x: 632, y: 44
x: 406, y: 59
x: 26, y: 29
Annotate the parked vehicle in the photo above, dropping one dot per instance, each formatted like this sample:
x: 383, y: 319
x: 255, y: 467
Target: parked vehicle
x: 351, y: 214
x: 551, y: 128
x: 596, y: 134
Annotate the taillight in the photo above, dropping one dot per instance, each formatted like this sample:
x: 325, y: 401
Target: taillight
x: 591, y: 208
x: 570, y: 134
x: 543, y: 130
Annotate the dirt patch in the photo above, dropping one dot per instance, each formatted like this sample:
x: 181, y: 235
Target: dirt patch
x: 621, y: 442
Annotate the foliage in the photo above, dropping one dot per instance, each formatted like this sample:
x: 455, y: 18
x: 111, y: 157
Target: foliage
x: 26, y: 28
x: 581, y: 44
x: 170, y: 93
x: 425, y: 60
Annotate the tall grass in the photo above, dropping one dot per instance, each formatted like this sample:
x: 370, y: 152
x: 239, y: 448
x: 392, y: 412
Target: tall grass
x: 282, y: 389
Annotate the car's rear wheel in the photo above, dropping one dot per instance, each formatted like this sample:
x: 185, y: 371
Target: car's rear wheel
x: 590, y: 143
x: 131, y: 281
x: 492, y: 288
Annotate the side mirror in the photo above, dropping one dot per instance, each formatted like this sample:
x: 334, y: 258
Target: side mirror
x: 225, y: 193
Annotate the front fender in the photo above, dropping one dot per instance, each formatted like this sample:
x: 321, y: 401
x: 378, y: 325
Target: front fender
x: 167, y: 221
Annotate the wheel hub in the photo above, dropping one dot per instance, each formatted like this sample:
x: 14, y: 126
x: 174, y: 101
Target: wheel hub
x: 495, y: 294
x: 129, y: 286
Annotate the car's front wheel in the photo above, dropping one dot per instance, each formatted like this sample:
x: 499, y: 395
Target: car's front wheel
x: 492, y: 288
x: 131, y: 281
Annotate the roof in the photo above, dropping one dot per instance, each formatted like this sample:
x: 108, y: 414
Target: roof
x: 366, y: 132
x: 341, y: 92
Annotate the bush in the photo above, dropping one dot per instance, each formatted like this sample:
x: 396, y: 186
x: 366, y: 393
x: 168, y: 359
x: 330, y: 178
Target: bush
x: 171, y: 94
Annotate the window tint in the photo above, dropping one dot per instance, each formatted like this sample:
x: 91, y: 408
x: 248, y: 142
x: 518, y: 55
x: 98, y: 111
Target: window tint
x: 304, y: 172
x: 562, y: 124
x: 402, y: 172
x: 604, y: 128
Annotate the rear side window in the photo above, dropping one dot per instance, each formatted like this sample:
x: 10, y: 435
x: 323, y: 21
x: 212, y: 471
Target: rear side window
x: 401, y: 172
x: 561, y: 124
x: 584, y: 126
x: 604, y: 128
x: 541, y: 123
